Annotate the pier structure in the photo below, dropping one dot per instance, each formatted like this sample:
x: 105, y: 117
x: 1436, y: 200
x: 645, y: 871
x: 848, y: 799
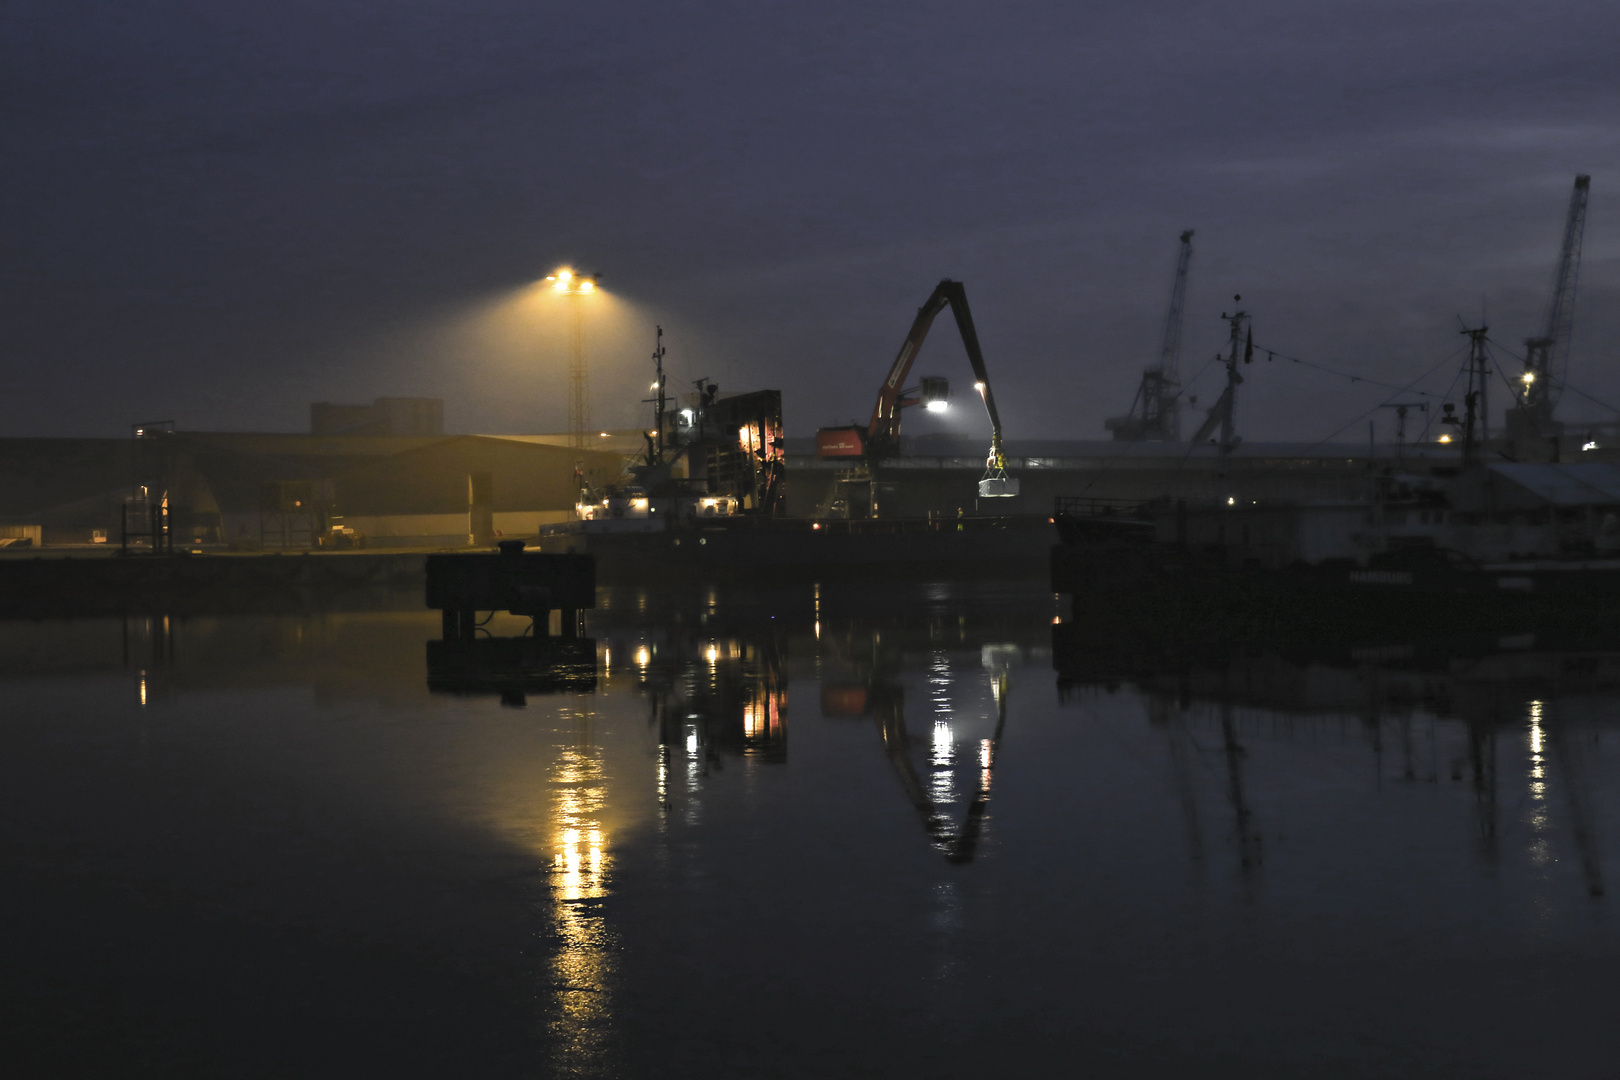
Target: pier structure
x: 522, y: 583
x: 512, y: 580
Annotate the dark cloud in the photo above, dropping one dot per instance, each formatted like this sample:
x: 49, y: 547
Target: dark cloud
x: 223, y: 211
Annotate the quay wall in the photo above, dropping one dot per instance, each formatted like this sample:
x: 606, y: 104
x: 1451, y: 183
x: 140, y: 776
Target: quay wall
x: 57, y: 585
x: 934, y: 485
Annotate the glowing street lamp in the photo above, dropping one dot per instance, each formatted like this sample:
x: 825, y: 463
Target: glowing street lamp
x: 569, y: 283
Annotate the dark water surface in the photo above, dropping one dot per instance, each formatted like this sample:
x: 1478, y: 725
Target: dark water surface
x: 821, y: 832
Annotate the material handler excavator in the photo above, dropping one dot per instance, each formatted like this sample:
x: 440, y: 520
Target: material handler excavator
x: 880, y: 438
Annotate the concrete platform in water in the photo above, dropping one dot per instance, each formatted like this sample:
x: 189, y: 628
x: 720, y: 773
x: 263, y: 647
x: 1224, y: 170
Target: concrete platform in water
x: 741, y: 547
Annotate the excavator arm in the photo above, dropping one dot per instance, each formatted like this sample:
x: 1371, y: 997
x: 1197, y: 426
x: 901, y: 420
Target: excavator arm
x: 883, y: 433
x: 884, y: 429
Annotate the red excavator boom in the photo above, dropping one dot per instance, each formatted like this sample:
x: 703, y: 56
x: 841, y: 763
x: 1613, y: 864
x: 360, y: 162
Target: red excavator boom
x: 881, y: 437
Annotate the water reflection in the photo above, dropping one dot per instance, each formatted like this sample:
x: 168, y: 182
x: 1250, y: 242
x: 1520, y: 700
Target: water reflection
x: 581, y: 1024
x: 1284, y: 846
x: 1450, y: 708
x: 959, y: 751
x: 712, y: 692
x: 511, y: 668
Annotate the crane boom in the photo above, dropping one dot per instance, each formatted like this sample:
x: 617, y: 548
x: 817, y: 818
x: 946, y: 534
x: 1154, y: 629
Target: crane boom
x: 1559, y: 330
x: 1561, y: 312
x: 883, y: 433
x: 1170, y: 353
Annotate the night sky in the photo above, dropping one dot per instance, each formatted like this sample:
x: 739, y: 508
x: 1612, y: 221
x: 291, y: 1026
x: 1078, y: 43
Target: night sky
x: 219, y: 212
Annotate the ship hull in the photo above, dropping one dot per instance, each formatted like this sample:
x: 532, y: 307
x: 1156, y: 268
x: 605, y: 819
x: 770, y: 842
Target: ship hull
x: 802, y: 550
x: 1155, y: 588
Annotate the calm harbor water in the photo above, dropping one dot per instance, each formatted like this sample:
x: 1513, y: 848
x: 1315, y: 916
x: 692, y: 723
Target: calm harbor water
x: 823, y: 831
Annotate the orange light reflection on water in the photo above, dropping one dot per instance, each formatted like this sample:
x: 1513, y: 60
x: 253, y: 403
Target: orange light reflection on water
x: 582, y: 970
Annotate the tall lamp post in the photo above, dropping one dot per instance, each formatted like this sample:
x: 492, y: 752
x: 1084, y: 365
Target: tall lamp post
x: 579, y: 398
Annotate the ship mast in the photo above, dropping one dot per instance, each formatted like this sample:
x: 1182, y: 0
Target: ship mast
x: 1477, y: 401
x: 1223, y: 414
x: 660, y: 403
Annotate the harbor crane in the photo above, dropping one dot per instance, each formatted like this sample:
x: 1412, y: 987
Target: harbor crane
x: 880, y: 438
x: 1559, y: 331
x: 1155, y: 412
x: 1532, y: 421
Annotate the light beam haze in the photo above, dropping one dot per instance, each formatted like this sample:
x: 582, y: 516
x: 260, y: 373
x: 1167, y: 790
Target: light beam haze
x: 223, y: 212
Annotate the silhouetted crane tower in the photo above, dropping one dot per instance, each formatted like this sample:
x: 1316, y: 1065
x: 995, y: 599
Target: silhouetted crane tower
x: 1561, y: 312
x: 1155, y: 413
x: 1532, y: 421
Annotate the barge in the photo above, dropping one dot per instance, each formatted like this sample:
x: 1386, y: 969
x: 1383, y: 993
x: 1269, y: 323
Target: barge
x: 734, y: 546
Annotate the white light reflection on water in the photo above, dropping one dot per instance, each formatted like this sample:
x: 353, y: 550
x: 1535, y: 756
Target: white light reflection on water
x: 1540, y: 848
x: 694, y: 775
x: 942, y: 755
x: 942, y: 784
x: 1538, y: 815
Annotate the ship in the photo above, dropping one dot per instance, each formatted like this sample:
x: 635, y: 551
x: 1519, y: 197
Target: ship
x: 707, y: 495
